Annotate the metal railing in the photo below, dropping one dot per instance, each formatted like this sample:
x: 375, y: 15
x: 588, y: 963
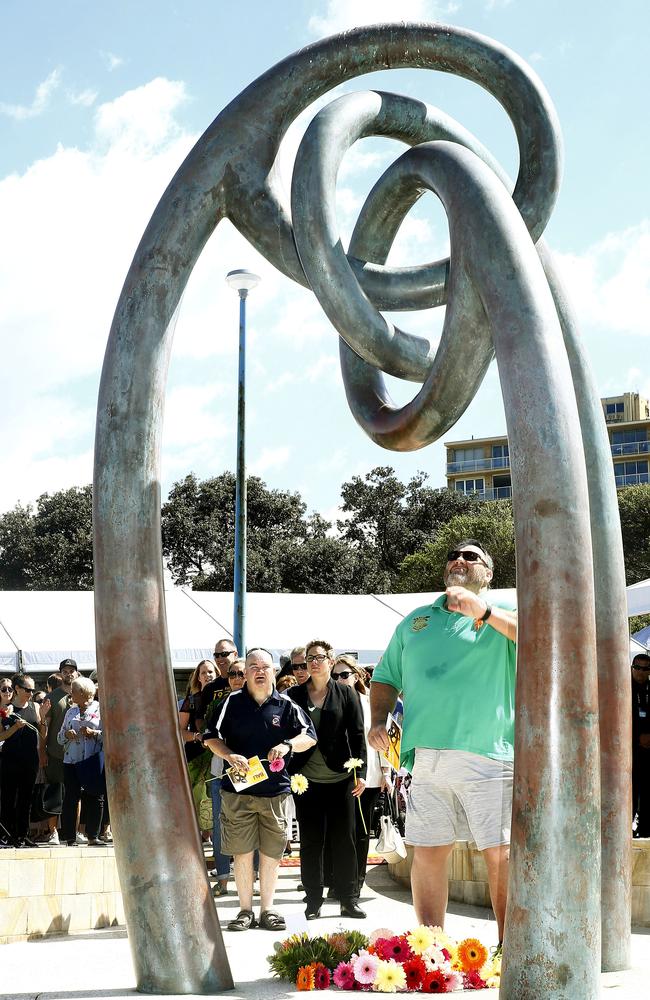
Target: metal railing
x: 635, y: 479
x: 631, y: 448
x: 478, y: 465
x: 498, y: 493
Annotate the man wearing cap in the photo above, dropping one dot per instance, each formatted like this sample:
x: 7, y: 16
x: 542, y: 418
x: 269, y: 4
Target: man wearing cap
x: 454, y: 662
x: 257, y: 722
x: 51, y: 753
x: 641, y: 744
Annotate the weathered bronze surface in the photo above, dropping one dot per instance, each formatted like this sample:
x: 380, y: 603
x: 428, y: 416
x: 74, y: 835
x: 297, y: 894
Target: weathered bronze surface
x: 503, y: 296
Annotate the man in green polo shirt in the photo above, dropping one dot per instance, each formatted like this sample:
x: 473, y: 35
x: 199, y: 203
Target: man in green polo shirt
x: 454, y: 663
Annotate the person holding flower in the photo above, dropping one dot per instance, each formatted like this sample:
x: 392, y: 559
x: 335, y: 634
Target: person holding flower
x: 257, y: 722
x: 327, y: 807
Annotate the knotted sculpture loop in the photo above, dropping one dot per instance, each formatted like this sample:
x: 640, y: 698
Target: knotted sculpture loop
x: 503, y: 297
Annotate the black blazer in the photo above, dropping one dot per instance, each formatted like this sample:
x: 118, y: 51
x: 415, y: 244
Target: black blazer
x: 341, y: 733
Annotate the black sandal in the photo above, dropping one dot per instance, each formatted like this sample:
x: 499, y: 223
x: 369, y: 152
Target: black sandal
x: 271, y: 920
x: 244, y: 920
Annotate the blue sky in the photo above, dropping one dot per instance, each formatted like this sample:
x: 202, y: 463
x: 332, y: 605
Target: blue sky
x: 100, y: 103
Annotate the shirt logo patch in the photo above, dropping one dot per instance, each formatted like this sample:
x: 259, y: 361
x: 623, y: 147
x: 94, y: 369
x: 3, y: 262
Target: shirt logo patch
x: 419, y: 623
x: 276, y: 720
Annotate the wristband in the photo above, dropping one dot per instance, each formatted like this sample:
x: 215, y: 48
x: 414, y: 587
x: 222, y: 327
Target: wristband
x: 287, y: 745
x: 479, y: 622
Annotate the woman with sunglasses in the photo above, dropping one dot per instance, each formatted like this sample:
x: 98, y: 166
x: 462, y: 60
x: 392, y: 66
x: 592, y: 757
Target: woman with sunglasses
x: 347, y: 671
x: 327, y: 807
x: 20, y: 723
x: 198, y: 758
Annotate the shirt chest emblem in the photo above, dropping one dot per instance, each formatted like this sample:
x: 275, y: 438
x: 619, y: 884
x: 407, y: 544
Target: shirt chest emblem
x: 419, y: 623
x: 276, y: 720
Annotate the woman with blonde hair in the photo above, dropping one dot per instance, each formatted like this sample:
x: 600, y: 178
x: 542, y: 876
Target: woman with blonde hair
x: 198, y: 758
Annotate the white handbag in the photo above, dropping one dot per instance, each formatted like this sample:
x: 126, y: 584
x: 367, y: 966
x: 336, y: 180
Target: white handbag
x: 390, y: 844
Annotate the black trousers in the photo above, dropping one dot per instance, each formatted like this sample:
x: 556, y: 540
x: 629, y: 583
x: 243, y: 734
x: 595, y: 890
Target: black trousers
x: 641, y: 789
x: 368, y: 800
x: 327, y: 810
x: 16, y: 787
x: 92, y: 811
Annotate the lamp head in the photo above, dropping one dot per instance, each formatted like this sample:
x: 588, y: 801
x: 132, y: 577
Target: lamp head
x: 242, y: 280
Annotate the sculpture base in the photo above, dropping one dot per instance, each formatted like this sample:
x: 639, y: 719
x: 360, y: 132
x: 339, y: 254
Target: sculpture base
x: 468, y: 878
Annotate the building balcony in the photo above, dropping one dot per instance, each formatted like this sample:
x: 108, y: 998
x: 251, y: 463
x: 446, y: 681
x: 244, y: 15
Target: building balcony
x: 478, y: 465
x: 499, y: 493
x: 632, y: 448
x: 632, y: 480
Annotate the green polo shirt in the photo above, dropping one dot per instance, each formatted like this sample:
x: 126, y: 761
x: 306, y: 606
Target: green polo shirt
x: 457, y: 682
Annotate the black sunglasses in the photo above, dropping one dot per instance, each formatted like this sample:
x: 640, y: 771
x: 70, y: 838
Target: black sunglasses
x: 343, y: 675
x: 298, y: 666
x: 5, y: 689
x: 222, y: 656
x: 236, y: 673
x: 23, y: 688
x: 465, y: 554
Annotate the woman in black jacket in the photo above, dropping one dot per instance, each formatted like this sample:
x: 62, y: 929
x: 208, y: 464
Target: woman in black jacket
x: 327, y: 806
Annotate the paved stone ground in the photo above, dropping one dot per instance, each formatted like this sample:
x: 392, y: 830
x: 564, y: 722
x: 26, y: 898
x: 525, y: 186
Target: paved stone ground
x: 98, y: 963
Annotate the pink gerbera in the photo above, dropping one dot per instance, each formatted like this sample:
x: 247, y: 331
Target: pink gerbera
x: 365, y: 968
x: 396, y: 948
x: 321, y: 976
x: 277, y: 765
x: 454, y: 981
x: 472, y: 981
x: 344, y: 976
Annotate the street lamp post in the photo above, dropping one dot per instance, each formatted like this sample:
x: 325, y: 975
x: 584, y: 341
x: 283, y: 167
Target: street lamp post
x: 242, y: 281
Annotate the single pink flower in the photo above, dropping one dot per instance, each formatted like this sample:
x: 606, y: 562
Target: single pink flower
x: 344, y: 976
x: 472, y: 981
x: 454, y: 981
x: 276, y: 765
x: 365, y: 968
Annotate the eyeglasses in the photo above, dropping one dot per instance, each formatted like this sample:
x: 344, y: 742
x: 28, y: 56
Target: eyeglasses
x: 6, y: 690
x: 317, y: 657
x: 23, y: 688
x: 298, y: 666
x: 343, y: 676
x: 465, y: 554
x: 236, y: 673
x: 222, y: 656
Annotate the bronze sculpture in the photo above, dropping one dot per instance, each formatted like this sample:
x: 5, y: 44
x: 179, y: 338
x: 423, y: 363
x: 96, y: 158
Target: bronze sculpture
x: 503, y: 295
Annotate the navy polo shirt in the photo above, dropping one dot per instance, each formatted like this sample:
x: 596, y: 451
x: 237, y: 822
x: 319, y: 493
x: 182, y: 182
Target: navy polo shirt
x: 250, y: 729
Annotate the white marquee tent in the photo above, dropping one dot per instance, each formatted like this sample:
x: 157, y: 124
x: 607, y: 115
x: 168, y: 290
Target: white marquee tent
x: 40, y: 628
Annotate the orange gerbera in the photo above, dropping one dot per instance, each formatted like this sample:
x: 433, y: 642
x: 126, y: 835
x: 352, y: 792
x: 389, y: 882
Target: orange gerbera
x: 472, y: 955
x: 305, y: 978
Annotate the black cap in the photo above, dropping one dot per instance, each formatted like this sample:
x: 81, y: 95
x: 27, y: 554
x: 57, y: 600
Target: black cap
x: 68, y: 662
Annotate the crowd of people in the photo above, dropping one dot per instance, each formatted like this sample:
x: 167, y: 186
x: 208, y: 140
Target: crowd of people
x: 316, y: 728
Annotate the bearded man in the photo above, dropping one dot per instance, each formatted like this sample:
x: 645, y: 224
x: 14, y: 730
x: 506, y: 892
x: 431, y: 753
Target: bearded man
x: 453, y: 662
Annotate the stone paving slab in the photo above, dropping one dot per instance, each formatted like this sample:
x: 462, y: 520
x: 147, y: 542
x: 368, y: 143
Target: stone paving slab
x: 98, y: 963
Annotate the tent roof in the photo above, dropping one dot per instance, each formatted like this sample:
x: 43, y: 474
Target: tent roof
x: 48, y: 626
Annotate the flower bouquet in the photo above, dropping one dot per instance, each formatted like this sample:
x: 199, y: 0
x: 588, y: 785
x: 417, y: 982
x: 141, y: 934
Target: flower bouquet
x: 424, y: 960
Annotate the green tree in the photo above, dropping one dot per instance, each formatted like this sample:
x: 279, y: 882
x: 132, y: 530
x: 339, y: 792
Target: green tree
x: 634, y: 508
x: 491, y: 523
x: 388, y: 520
x: 49, y: 548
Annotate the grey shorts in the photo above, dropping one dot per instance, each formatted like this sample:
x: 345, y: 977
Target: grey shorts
x: 456, y: 795
x: 254, y: 821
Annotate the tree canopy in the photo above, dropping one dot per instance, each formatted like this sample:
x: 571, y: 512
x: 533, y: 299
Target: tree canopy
x: 391, y: 536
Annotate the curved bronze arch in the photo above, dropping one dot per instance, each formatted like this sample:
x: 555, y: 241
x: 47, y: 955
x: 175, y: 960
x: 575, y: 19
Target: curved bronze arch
x: 555, y: 933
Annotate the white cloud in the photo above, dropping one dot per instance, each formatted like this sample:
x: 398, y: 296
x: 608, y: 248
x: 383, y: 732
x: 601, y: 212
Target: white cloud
x: 270, y: 459
x: 84, y: 98
x: 41, y: 100
x: 143, y: 119
x: 610, y: 282
x: 111, y: 60
x: 341, y: 14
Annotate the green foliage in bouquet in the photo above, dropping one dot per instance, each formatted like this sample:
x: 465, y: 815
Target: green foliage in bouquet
x: 299, y: 949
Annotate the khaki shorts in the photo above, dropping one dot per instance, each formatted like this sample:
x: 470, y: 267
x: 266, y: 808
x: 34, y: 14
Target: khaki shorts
x: 254, y: 821
x: 455, y: 796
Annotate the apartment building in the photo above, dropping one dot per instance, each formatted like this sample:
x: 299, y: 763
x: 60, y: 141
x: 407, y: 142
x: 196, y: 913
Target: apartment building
x: 482, y: 465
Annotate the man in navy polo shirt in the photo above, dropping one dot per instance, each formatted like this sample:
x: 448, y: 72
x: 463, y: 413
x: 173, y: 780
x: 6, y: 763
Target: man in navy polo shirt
x: 257, y: 722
